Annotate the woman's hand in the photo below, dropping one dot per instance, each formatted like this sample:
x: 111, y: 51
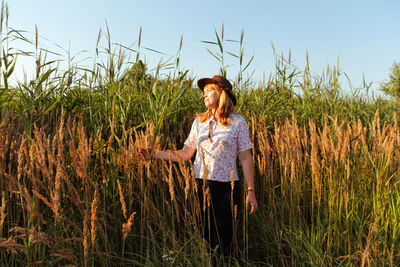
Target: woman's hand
x: 246, y: 159
x: 145, y: 153
x: 251, y: 201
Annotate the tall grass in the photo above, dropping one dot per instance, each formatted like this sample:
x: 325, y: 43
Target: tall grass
x: 328, y: 196
x: 75, y: 191
x: 329, y: 191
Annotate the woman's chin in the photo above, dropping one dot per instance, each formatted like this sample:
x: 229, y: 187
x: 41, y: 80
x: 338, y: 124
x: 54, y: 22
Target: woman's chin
x: 209, y: 105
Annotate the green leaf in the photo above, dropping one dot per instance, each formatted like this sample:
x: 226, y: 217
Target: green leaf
x: 232, y: 54
x: 216, y: 57
x: 221, y: 48
x: 209, y: 42
x: 248, y: 64
x: 156, y: 51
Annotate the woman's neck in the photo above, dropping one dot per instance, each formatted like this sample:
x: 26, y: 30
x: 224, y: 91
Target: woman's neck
x: 213, y: 114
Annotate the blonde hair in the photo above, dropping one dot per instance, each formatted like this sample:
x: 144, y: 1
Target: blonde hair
x: 225, y: 107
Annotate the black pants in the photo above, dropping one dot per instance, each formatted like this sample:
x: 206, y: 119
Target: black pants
x: 220, y: 217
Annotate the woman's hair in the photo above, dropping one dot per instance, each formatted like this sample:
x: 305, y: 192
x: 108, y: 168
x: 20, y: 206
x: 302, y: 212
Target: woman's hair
x: 225, y: 107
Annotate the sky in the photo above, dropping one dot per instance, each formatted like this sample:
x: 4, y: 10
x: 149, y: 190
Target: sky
x: 363, y: 35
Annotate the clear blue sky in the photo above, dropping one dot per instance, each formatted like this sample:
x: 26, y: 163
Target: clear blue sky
x: 365, y: 35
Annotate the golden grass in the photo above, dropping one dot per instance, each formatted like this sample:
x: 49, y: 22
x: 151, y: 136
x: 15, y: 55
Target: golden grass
x: 68, y: 180
x: 2, y: 212
x: 93, y: 217
x: 126, y: 227
x: 122, y: 200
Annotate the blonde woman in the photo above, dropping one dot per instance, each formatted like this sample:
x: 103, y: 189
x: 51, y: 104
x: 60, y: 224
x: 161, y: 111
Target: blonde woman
x: 217, y: 136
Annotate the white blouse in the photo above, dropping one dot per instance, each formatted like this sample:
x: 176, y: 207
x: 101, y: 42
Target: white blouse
x: 220, y: 152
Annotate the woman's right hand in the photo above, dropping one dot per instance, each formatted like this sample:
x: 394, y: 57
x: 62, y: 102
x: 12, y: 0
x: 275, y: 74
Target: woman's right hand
x: 145, y: 153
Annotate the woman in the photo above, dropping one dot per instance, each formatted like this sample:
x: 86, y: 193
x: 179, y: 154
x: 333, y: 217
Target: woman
x: 217, y: 136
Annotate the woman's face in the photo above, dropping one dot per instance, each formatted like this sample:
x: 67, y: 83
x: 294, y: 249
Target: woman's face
x: 211, y: 96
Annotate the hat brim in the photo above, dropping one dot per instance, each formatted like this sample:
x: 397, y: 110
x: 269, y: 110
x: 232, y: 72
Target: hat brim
x: 202, y: 82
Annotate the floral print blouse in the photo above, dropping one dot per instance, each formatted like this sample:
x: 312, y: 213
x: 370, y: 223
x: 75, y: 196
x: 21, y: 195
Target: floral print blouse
x: 216, y: 152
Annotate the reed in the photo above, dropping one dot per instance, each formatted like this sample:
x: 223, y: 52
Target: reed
x: 3, y: 212
x: 93, y: 217
x: 126, y: 227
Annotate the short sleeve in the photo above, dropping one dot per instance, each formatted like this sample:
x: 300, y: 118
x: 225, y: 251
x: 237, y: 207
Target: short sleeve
x: 192, y: 138
x: 244, y: 141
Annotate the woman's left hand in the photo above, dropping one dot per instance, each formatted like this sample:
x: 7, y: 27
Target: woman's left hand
x: 252, y: 201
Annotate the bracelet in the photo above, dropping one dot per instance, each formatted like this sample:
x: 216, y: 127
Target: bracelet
x: 250, y: 189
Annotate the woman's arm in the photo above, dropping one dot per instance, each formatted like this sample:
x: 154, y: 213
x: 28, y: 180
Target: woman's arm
x: 186, y: 153
x: 246, y: 160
